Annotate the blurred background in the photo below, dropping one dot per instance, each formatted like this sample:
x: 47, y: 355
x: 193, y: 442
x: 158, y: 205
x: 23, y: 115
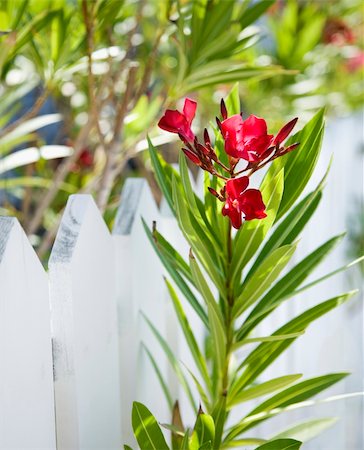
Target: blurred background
x: 83, y: 82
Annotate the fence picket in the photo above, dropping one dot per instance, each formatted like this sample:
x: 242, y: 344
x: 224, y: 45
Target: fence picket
x: 84, y: 323
x: 26, y: 386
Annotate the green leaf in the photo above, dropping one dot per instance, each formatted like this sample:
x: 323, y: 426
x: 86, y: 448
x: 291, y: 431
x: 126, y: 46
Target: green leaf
x: 305, y: 431
x: 302, y: 161
x: 146, y: 429
x: 203, y: 288
x: 218, y: 339
x: 200, y: 390
x: 182, y: 285
x: 294, y: 394
x: 236, y: 395
x: 161, y: 380
x: 161, y: 173
x: 286, y: 286
x: 232, y: 101
x: 325, y: 277
x: 267, y: 339
x: 190, y: 338
x: 185, y: 441
x: 219, y: 415
x: 281, y: 444
x: 251, y: 235
x: 172, y: 360
x: 267, y: 352
x: 242, y: 443
x: 126, y: 447
x: 197, y: 238
x: 289, y: 229
x: 263, y: 278
x: 204, y: 432
x: 253, y: 13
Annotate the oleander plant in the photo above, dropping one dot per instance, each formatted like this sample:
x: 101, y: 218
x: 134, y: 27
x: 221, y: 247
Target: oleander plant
x: 241, y: 241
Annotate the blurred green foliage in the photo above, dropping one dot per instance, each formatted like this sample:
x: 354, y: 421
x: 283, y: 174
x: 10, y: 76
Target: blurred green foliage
x: 111, y: 66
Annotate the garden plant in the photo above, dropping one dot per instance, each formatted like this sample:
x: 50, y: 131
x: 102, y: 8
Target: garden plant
x: 241, y: 242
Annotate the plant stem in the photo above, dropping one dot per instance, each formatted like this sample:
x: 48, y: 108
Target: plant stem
x: 229, y: 333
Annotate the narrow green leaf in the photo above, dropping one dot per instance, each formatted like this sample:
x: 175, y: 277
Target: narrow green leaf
x: 161, y: 380
x: 126, y: 447
x: 236, y: 395
x: 161, y: 174
x: 253, y: 13
x: 303, y: 161
x: 219, y: 415
x: 286, y: 286
x: 305, y: 431
x: 172, y: 360
x: 146, y: 429
x: 182, y: 285
x: 294, y: 394
x: 204, y: 432
x: 199, y: 241
x: 185, y: 441
x: 263, y: 278
x: 242, y: 443
x: 267, y: 339
x: 203, y: 288
x: 325, y: 277
x: 218, y: 338
x: 200, y: 389
x: 251, y: 235
x: 290, y: 228
x: 190, y: 338
x: 281, y: 444
x: 267, y: 352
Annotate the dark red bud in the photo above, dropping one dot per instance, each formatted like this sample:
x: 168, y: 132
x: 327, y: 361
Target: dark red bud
x: 203, y: 149
x: 213, y: 192
x: 218, y: 123
x: 291, y: 147
x: 285, y: 131
x: 192, y: 156
x: 223, y: 109
x: 206, y: 137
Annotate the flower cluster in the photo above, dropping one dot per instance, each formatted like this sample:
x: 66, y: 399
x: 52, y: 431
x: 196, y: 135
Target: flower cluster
x: 246, y: 140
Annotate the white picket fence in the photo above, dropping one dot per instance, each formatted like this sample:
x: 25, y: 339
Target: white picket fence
x: 71, y: 340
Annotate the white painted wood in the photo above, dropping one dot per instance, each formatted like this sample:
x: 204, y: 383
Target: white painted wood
x: 26, y: 380
x: 86, y: 363
x: 140, y: 288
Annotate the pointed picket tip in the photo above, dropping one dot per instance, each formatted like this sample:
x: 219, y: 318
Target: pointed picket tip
x: 6, y: 227
x: 26, y: 397
x: 136, y: 201
x: 80, y: 209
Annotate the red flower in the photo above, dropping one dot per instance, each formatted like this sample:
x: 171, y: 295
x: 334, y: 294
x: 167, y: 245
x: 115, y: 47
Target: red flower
x: 177, y: 122
x: 337, y: 32
x: 354, y: 63
x: 246, y: 139
x: 239, y: 200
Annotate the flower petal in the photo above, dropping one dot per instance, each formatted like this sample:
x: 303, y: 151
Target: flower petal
x: 189, y: 110
x: 236, y: 186
x: 253, y: 127
x: 285, y: 131
x: 233, y: 214
x: 172, y: 121
x: 251, y: 203
x: 231, y: 125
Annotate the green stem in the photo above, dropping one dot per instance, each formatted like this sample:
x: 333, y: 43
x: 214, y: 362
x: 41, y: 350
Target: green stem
x: 229, y: 333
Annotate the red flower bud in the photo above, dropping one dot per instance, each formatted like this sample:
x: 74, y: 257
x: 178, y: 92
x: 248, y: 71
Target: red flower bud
x: 223, y: 109
x: 284, y: 131
x: 192, y: 156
